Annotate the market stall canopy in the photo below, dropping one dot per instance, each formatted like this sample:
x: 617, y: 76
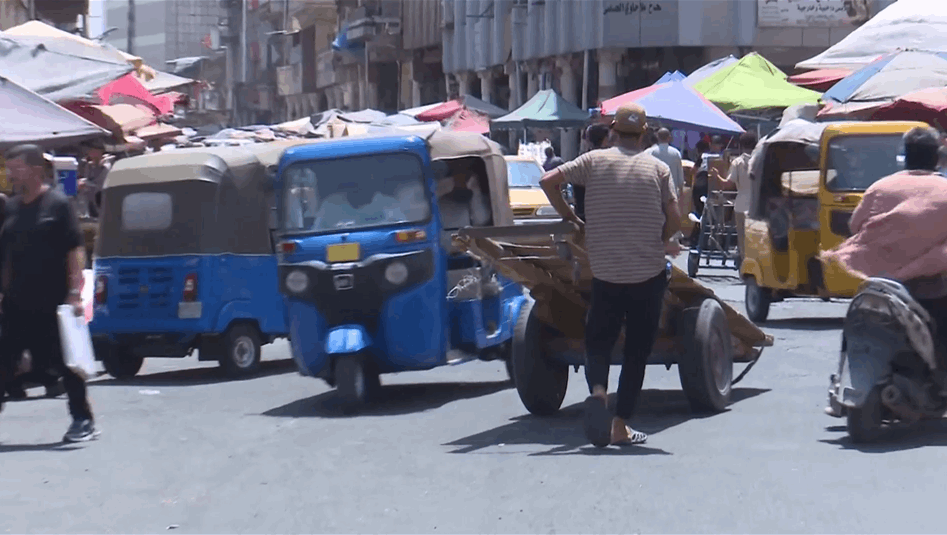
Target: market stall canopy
x: 128, y: 90
x: 892, y: 76
x: 399, y: 119
x: 163, y: 82
x: 450, y: 108
x: 157, y: 131
x: 300, y: 127
x: 121, y: 119
x: 30, y: 118
x: 905, y: 24
x: 928, y: 105
x: 413, y: 112
x: 469, y: 121
x: 676, y: 105
x: 820, y: 80
x: 79, y: 45
x: 752, y: 83
x: 709, y: 69
x: 55, y: 75
x: 547, y: 109
x: 669, y: 76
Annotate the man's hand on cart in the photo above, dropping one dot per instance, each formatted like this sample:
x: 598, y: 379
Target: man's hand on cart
x: 672, y: 247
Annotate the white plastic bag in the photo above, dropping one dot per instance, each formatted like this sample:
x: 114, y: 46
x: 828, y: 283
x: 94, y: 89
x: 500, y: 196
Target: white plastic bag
x: 76, y: 342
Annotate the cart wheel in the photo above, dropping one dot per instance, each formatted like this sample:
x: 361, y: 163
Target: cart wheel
x: 757, y: 301
x: 707, y: 368
x: 356, y: 383
x: 540, y: 382
x: 240, y: 350
x: 121, y: 363
x: 865, y: 423
x: 693, y: 263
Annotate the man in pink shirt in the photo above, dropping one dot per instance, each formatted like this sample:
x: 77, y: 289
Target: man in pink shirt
x: 899, y: 229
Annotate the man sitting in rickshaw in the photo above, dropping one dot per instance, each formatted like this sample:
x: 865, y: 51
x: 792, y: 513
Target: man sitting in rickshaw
x: 462, y: 202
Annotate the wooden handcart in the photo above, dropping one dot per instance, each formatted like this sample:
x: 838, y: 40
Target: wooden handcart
x: 700, y: 333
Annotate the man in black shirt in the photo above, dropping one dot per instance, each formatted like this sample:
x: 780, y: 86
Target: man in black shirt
x: 42, y: 253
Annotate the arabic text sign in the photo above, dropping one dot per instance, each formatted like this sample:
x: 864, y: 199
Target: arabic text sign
x: 803, y: 13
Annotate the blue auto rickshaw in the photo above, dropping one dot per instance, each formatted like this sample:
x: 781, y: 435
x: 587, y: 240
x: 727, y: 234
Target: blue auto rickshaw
x: 372, y: 282
x: 185, y: 259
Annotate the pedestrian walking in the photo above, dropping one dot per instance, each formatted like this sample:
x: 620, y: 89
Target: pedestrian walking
x: 739, y: 176
x: 631, y: 213
x: 552, y: 161
x: 671, y: 156
x: 41, y: 253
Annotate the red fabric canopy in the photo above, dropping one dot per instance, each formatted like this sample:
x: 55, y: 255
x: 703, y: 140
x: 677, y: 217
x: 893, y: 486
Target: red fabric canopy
x: 128, y: 90
x: 820, y: 80
x: 469, y: 121
x: 928, y: 105
x: 442, y: 112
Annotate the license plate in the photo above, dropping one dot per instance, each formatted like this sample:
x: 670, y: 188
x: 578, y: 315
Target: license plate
x: 189, y: 311
x: 343, y: 252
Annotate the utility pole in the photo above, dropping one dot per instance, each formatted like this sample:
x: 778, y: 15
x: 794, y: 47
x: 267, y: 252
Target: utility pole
x: 32, y: 6
x: 131, y: 27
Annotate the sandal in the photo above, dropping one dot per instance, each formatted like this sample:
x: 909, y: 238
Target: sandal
x: 598, y: 422
x: 634, y: 438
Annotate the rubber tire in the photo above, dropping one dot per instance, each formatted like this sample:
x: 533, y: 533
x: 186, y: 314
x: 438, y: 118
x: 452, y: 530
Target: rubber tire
x: 693, y: 264
x: 356, y: 383
x: 709, y: 321
x: 239, y: 332
x: 540, y: 382
x: 122, y: 365
x: 757, y: 301
x: 864, y: 423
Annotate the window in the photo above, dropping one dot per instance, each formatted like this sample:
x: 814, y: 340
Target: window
x: 354, y: 193
x: 523, y: 174
x: 857, y: 162
x: 146, y: 212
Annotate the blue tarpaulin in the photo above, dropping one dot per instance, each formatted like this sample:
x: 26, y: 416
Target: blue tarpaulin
x: 669, y: 76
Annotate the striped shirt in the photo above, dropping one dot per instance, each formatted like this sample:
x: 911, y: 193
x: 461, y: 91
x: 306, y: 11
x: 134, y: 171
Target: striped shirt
x: 626, y: 193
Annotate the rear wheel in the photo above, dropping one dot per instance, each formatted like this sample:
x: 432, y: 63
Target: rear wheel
x: 356, y: 383
x: 707, y: 369
x: 121, y: 363
x: 865, y: 423
x: 757, y: 301
x: 540, y: 382
x: 240, y: 350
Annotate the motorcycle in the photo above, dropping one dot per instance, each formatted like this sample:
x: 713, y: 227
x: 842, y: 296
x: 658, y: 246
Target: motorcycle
x: 889, y: 371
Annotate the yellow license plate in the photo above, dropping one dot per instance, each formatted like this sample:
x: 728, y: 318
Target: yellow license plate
x: 343, y: 252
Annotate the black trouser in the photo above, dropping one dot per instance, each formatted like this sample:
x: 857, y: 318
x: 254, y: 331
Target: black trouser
x: 38, y: 333
x: 578, y: 193
x: 639, y: 307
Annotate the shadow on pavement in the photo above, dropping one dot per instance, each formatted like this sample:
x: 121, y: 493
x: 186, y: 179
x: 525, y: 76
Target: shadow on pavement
x: 392, y: 400
x: 657, y: 410
x: 897, y: 438
x: 805, y: 324
x: 52, y: 446
x: 204, y: 375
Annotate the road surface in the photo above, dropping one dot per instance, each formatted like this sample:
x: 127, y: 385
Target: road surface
x: 453, y: 451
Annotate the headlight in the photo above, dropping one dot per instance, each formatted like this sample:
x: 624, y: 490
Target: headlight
x: 546, y: 211
x: 396, y: 273
x: 297, y: 281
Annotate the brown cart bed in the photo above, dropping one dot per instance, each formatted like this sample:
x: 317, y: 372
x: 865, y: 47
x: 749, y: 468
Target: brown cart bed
x: 698, y: 331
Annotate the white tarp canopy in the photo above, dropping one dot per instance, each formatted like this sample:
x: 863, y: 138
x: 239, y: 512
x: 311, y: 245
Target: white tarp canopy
x: 905, y: 24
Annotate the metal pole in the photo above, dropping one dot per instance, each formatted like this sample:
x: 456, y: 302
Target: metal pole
x: 365, y: 103
x: 585, y: 81
x: 131, y: 27
x: 32, y: 6
x: 243, y: 42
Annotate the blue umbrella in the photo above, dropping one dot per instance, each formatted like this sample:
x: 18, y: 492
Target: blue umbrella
x: 675, y: 105
x: 891, y: 76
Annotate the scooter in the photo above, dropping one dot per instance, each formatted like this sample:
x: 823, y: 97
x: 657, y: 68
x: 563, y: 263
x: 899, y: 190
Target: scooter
x: 889, y: 371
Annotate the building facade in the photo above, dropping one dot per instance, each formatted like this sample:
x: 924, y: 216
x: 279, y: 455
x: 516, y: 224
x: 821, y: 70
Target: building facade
x: 13, y: 13
x: 164, y: 30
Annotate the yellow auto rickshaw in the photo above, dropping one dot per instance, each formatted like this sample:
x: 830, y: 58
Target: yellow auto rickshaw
x: 807, y: 179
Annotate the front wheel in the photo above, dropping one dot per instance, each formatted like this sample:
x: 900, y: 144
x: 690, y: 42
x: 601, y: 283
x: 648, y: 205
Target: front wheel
x: 865, y: 423
x: 757, y: 301
x: 540, y: 382
x: 706, y: 370
x: 356, y: 383
x: 240, y: 350
x: 121, y: 363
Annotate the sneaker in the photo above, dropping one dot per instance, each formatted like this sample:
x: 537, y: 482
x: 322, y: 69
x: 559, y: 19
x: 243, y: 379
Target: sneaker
x: 81, y: 431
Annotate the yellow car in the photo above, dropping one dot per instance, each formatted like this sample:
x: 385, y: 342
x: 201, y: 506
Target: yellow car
x: 526, y: 196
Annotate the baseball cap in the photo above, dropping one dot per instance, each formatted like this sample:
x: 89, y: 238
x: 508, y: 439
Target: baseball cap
x: 630, y: 119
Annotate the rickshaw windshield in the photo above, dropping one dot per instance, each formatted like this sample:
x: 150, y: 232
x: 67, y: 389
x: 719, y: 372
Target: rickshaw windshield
x: 523, y: 174
x: 354, y: 193
x: 857, y: 162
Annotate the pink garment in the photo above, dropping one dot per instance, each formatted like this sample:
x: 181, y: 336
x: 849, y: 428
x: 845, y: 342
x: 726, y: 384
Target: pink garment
x: 899, y: 229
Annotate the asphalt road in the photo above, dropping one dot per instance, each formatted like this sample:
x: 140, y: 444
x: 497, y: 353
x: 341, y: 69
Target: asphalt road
x: 453, y: 451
